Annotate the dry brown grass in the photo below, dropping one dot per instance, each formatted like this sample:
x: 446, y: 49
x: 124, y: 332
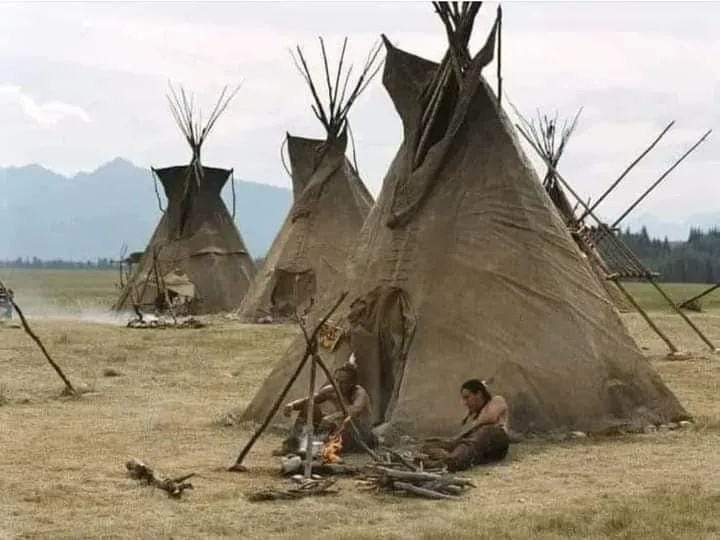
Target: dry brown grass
x: 61, y: 460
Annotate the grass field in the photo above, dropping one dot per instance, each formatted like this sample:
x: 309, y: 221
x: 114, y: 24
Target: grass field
x: 61, y: 460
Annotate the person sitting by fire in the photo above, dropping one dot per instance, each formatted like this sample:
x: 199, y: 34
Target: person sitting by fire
x: 484, y: 439
x: 328, y: 416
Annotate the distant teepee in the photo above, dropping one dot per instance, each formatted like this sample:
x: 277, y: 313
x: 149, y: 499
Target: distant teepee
x: 464, y: 269
x: 552, y: 138
x: 196, y: 257
x: 330, y: 202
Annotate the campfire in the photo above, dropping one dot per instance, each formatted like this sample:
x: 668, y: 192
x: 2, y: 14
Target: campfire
x: 332, y: 449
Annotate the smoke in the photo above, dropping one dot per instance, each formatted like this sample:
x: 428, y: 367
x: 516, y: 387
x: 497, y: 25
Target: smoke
x: 35, y: 306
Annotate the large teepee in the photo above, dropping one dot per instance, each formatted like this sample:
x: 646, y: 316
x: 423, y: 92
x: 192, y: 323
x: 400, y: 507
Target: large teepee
x: 196, y: 257
x: 465, y: 269
x: 330, y: 202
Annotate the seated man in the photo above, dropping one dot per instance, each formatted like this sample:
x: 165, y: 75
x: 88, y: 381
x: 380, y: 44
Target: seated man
x: 328, y: 415
x: 485, y: 439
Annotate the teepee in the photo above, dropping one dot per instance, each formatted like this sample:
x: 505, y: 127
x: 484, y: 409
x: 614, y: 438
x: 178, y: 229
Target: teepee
x: 552, y: 138
x: 196, y: 260
x: 464, y: 268
x: 330, y: 201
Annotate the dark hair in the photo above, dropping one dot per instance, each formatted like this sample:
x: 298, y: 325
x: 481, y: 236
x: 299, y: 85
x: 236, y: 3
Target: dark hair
x: 350, y: 369
x: 475, y: 386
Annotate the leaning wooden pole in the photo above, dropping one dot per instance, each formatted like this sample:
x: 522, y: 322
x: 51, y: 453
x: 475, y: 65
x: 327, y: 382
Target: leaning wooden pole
x: 644, y: 315
x: 662, y: 177
x: 686, y: 303
x: 39, y: 343
x: 687, y: 319
x: 628, y: 169
x: 238, y: 466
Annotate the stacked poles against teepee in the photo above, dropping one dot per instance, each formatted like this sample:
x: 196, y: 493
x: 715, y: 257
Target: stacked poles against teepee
x: 465, y: 269
x: 609, y: 256
x: 196, y: 259
x: 330, y: 200
x: 552, y: 139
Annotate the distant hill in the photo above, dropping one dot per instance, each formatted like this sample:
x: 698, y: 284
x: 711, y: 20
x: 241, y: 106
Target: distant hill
x: 90, y: 215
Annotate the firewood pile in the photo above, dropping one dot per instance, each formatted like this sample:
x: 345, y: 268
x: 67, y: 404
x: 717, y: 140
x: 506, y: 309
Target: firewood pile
x: 390, y: 478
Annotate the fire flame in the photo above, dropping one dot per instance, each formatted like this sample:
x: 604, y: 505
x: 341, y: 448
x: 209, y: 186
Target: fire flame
x: 331, y: 450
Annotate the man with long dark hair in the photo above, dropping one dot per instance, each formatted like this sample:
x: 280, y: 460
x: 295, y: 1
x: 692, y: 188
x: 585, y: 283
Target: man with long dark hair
x: 484, y: 438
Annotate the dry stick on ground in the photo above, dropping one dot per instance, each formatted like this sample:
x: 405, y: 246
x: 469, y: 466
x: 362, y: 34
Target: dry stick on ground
x: 238, y: 466
x: 36, y: 339
x: 173, y: 486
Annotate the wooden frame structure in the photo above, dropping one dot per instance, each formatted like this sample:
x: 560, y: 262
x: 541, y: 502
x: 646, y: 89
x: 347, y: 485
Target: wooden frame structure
x: 609, y: 252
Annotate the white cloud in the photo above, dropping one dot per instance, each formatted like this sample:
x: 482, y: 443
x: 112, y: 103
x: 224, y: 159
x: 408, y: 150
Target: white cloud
x: 44, y: 114
x: 634, y: 67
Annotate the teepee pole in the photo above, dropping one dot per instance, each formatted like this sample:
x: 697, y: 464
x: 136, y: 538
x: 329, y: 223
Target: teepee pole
x: 662, y: 177
x: 697, y: 297
x: 683, y: 315
x: 628, y: 169
x: 644, y: 315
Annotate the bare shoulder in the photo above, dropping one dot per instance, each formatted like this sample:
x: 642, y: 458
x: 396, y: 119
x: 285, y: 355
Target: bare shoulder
x: 499, y: 401
x: 360, y: 391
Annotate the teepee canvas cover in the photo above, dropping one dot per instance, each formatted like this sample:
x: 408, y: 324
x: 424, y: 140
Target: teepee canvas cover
x: 330, y: 206
x: 464, y: 269
x: 196, y: 251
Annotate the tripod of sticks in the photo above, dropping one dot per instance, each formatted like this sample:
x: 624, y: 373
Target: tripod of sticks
x: 312, y: 355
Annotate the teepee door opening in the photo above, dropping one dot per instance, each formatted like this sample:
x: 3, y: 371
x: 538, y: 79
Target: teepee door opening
x: 292, y: 292
x: 383, y: 325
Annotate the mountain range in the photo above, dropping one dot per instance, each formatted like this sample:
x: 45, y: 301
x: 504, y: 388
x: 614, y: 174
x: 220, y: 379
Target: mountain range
x: 91, y: 215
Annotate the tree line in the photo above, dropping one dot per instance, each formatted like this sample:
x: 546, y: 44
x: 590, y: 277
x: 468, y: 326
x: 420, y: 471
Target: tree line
x: 57, y: 264
x: 62, y: 264
x: 696, y: 260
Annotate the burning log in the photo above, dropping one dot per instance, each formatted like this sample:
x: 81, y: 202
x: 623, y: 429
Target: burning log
x: 174, y: 487
x: 430, y: 485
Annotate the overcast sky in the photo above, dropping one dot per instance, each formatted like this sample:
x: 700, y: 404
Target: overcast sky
x: 82, y: 83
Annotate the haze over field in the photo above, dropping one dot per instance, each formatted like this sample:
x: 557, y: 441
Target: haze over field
x: 83, y: 83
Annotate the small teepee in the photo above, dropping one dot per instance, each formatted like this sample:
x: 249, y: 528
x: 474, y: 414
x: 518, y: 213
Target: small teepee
x: 465, y: 269
x: 330, y: 202
x: 552, y: 139
x: 196, y: 260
